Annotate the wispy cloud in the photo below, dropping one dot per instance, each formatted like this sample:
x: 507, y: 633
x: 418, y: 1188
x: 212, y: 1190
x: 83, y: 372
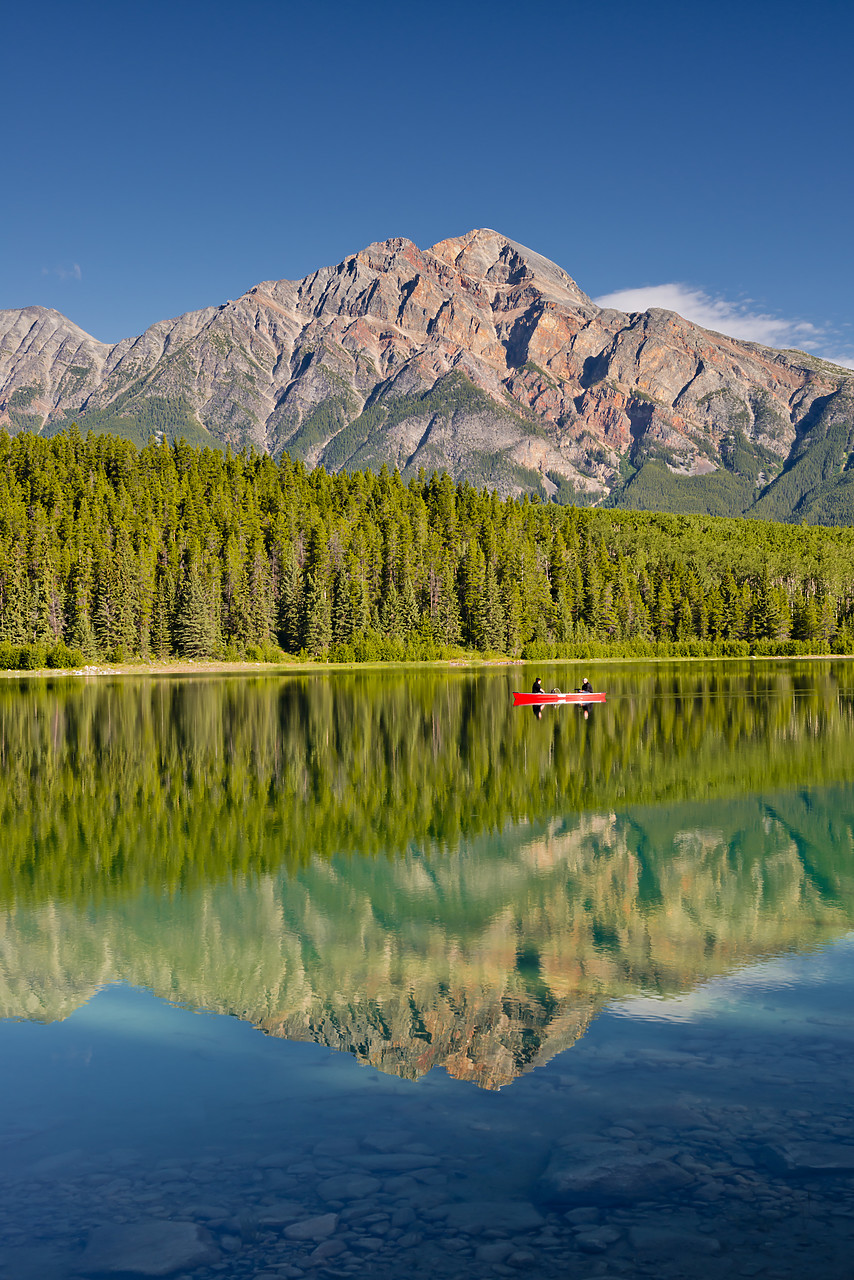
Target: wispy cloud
x: 65, y: 273
x: 737, y: 319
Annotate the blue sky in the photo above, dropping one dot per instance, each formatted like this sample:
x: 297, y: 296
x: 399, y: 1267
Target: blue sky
x: 166, y: 156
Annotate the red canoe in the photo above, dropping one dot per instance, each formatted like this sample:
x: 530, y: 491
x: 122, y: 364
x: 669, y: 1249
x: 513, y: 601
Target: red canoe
x: 543, y: 699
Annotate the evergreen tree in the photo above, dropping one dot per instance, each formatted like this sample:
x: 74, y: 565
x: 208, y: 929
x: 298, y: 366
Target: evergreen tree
x: 662, y: 610
x: 193, y: 627
x: 259, y: 597
x: 408, y: 606
x: 492, y: 630
x: 14, y: 596
x: 342, y: 607
x: 511, y: 605
x: 291, y: 606
x: 79, y: 631
x: 161, y: 613
x: 316, y: 621
x: 472, y: 593
x: 447, y: 621
x: 608, y: 620
x: 317, y: 624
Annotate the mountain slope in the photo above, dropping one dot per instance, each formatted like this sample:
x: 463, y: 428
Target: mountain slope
x: 477, y: 356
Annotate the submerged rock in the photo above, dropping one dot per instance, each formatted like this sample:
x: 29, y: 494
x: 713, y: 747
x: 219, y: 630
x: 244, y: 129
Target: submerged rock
x: 346, y: 1186
x: 806, y: 1158
x: 605, y: 1173
x: 319, y: 1228
x: 149, y: 1248
x: 280, y: 1213
x: 671, y: 1242
x: 597, y: 1239
x: 477, y: 1216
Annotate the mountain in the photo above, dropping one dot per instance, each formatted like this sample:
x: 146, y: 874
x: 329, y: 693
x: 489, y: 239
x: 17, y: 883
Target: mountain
x: 487, y: 963
x: 477, y: 356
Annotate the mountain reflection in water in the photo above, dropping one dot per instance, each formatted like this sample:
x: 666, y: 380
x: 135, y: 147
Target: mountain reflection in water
x: 402, y: 867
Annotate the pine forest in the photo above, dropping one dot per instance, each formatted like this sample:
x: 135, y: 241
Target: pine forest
x: 110, y: 552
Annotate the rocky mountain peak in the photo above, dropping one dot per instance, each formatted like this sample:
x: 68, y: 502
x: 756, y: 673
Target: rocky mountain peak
x: 44, y: 359
x: 35, y: 326
x: 487, y: 255
x: 477, y: 356
x: 395, y: 255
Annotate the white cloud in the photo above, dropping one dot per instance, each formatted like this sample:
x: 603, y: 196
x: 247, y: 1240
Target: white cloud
x: 65, y: 273
x: 736, y: 319
x: 739, y: 990
x: 733, y: 318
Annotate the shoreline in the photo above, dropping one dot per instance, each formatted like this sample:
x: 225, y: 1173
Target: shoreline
x: 218, y: 667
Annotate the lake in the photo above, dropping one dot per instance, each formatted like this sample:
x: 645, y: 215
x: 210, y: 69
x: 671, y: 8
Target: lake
x: 368, y: 973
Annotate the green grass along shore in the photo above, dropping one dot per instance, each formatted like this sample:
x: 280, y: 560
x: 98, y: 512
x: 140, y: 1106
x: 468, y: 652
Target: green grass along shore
x: 34, y: 660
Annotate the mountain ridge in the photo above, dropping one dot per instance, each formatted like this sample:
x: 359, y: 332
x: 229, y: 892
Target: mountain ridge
x: 477, y: 356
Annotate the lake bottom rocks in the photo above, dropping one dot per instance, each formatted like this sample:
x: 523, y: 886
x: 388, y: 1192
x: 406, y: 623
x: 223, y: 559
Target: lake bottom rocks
x: 675, y: 1194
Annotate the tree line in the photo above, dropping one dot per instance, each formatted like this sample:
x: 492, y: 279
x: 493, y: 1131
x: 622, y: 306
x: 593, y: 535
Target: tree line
x: 108, y: 551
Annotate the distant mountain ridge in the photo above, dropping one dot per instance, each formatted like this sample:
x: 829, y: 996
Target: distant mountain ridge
x: 477, y: 356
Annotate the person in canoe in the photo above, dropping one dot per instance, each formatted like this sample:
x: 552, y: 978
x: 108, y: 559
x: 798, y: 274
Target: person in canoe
x: 537, y: 687
x: 586, y: 686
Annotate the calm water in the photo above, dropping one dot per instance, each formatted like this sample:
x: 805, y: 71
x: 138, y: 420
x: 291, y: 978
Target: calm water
x: 370, y: 974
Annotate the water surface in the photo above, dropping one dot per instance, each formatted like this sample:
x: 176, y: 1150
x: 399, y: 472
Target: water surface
x: 539, y: 996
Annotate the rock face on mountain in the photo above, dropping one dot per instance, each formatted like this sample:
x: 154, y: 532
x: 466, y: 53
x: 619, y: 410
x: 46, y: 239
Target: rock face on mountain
x: 477, y: 356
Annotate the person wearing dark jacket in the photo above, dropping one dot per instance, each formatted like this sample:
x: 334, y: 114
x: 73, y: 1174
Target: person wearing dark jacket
x: 537, y: 687
x: 586, y: 686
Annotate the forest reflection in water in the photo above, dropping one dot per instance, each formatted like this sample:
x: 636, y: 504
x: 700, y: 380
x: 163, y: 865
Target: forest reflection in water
x: 399, y: 865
